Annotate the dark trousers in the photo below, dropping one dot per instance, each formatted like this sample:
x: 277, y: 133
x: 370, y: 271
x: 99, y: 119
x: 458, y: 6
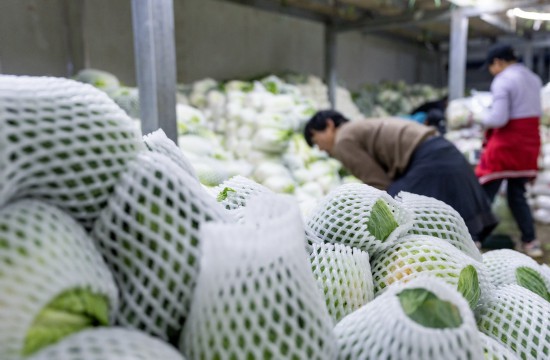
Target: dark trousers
x: 517, y: 203
x: 437, y: 169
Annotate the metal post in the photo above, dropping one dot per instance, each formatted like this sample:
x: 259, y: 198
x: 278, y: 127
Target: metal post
x: 154, y: 47
x: 540, y: 63
x: 330, y: 63
x: 442, y: 73
x: 528, y: 54
x: 73, y: 16
x: 457, y: 54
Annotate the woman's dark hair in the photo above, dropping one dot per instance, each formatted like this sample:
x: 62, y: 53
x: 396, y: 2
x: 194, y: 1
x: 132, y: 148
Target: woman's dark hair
x: 440, y: 104
x: 319, y: 122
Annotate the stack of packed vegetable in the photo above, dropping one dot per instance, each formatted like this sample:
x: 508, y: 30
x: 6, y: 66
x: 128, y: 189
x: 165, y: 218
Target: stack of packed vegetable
x: 540, y: 191
x: 125, y: 97
x: 254, y: 129
x: 468, y: 111
x: 258, y: 124
x: 463, y: 121
x: 111, y: 249
x: 394, y: 99
x: 249, y: 128
x: 545, y: 100
x: 313, y: 88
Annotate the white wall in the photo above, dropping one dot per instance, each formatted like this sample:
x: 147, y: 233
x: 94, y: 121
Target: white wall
x: 224, y: 40
x: 109, y: 38
x: 370, y: 59
x: 213, y: 38
x: 32, y: 38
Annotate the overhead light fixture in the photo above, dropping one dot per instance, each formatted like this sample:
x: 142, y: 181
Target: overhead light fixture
x: 530, y: 15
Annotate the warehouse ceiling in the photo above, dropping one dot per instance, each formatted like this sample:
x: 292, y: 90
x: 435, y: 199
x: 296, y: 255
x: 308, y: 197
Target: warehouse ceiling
x: 419, y: 20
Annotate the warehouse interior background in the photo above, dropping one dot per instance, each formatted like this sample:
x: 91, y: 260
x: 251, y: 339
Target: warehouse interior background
x: 215, y: 39
x: 386, y: 41
x: 274, y: 179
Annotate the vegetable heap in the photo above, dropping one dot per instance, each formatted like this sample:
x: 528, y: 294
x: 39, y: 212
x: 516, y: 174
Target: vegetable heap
x: 111, y: 248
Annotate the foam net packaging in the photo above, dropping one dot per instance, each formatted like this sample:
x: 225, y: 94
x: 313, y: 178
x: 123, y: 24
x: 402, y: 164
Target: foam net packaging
x: 109, y: 344
x: 382, y: 329
x: 158, y: 142
x: 63, y: 142
x: 256, y: 297
x: 502, y: 266
x: 494, y: 350
x: 343, y: 216
x: 43, y: 253
x: 238, y: 191
x: 416, y: 255
x: 311, y: 239
x: 435, y: 218
x: 149, y: 234
x: 519, y: 320
x: 343, y: 275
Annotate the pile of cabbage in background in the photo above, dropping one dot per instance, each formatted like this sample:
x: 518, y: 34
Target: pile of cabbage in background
x: 254, y: 129
x: 394, y: 99
x: 249, y: 128
x: 111, y: 249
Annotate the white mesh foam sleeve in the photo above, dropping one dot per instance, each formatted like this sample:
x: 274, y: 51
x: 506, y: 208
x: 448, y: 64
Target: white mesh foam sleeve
x: 342, y: 217
x: 311, y: 239
x: 343, y: 275
x: 415, y: 255
x: 494, y: 350
x: 157, y: 141
x: 109, y: 344
x: 149, y: 236
x: 519, y: 320
x: 382, y: 330
x: 63, y: 142
x: 435, y: 218
x: 43, y: 253
x: 244, y: 190
x: 502, y: 264
x: 256, y: 297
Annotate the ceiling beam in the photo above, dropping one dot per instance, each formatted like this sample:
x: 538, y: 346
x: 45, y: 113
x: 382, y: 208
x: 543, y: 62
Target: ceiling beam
x: 420, y: 17
x: 280, y: 8
x: 388, y: 23
x: 498, y: 22
x: 411, y: 19
x: 476, y: 11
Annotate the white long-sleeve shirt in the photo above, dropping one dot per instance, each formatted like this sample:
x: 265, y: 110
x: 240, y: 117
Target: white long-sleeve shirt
x: 516, y: 95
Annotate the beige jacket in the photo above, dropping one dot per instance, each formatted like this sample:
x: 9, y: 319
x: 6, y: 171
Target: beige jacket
x: 376, y: 151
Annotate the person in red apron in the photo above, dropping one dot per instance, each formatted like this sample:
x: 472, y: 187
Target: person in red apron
x: 512, y: 139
